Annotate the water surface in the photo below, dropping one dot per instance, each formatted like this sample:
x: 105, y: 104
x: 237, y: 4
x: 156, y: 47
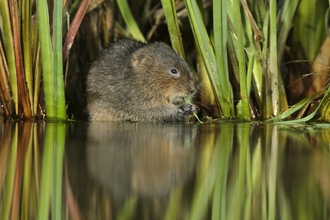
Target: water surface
x: 180, y: 171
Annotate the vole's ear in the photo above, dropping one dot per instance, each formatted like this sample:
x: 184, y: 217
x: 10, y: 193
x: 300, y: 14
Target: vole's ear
x: 138, y: 60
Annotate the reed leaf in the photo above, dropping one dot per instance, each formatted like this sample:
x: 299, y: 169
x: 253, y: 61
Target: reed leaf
x: 204, y: 47
x: 129, y: 20
x: 284, y: 24
x: 220, y: 47
x: 241, y: 61
x: 37, y: 81
x: 23, y: 93
x: 27, y: 47
x: 58, y: 62
x: 273, y: 65
x: 173, y: 26
x: 46, y: 57
x: 9, y: 48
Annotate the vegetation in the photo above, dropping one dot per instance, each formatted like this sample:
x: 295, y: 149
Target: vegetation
x: 253, y: 58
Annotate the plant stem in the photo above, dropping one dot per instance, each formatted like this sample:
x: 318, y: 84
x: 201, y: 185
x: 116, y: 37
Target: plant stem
x: 241, y: 61
x: 58, y: 63
x: 220, y: 43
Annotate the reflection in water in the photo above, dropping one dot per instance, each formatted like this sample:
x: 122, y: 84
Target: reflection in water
x: 164, y: 171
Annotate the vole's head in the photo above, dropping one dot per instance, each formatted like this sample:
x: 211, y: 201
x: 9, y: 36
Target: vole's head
x: 160, y: 68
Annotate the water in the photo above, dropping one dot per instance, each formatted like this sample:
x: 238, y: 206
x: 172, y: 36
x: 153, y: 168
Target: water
x: 171, y: 171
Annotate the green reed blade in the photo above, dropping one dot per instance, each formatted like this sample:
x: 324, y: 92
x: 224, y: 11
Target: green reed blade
x: 204, y: 47
x: 46, y: 57
x: 26, y: 41
x: 220, y: 47
x: 285, y: 23
x: 58, y: 62
x: 273, y: 65
x: 129, y: 20
x: 173, y: 26
x: 241, y: 61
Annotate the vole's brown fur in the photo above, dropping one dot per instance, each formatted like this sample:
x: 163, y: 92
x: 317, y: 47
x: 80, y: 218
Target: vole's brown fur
x: 134, y: 81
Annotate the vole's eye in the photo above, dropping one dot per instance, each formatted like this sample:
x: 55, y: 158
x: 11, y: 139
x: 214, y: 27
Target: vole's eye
x: 174, y: 71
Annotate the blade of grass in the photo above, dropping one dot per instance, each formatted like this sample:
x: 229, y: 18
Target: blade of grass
x: 241, y: 62
x: 58, y: 62
x: 27, y: 55
x: 204, y: 47
x: 220, y: 47
x: 46, y: 57
x: 285, y: 24
x: 249, y: 74
x: 37, y: 81
x: 23, y: 93
x: 9, y: 48
x: 173, y: 26
x: 309, y: 26
x: 129, y: 20
x: 266, y: 108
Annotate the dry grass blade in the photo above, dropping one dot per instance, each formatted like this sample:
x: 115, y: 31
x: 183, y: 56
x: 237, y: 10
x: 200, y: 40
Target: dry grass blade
x: 257, y: 34
x: 21, y: 83
x: 74, y: 28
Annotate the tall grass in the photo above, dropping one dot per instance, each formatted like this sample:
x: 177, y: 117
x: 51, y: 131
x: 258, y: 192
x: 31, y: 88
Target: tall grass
x: 24, y: 59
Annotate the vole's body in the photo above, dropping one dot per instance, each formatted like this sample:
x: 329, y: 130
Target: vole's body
x: 133, y: 81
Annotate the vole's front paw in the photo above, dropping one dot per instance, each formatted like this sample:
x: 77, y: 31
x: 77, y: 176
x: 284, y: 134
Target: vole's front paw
x: 189, y: 108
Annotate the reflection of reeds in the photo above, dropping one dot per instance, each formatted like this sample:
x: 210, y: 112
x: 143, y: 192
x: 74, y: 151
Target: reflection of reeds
x: 19, y: 175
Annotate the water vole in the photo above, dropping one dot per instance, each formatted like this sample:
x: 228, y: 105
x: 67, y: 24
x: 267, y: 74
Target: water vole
x: 134, y: 81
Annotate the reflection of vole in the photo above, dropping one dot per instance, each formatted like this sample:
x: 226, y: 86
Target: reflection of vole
x: 144, y: 159
x: 134, y: 81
